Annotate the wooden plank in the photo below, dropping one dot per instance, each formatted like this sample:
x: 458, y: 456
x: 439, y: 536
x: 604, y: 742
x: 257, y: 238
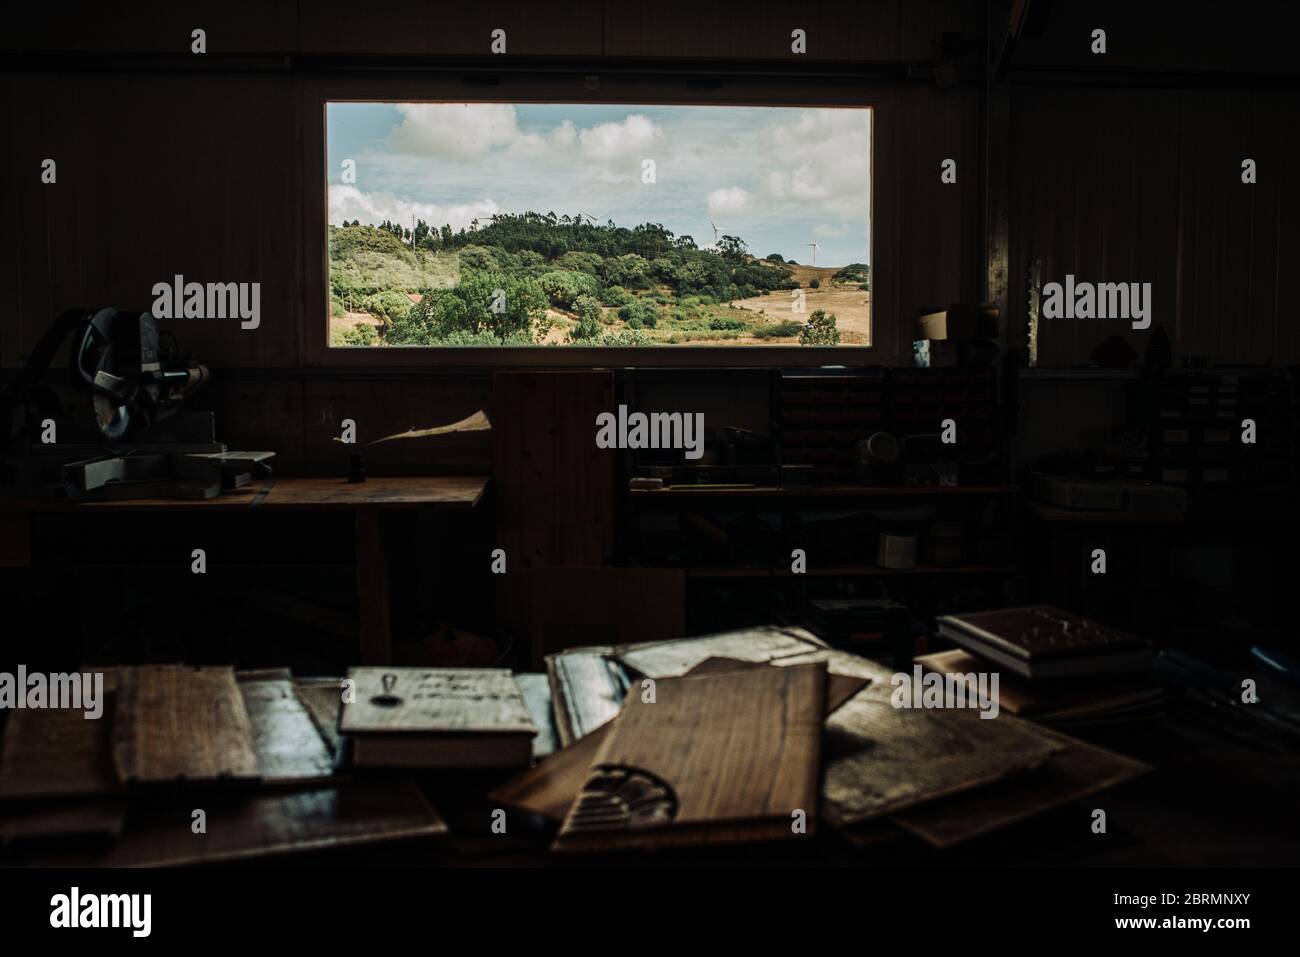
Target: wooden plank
x: 288, y: 746
x: 680, y: 768
x: 58, y: 752
x: 176, y: 723
x: 1077, y: 771
x: 262, y: 825
x: 323, y: 699
x: 547, y: 789
x: 882, y: 759
x: 430, y: 491
x: 62, y: 817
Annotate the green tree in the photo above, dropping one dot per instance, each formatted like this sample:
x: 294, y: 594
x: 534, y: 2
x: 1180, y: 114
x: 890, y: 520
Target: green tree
x: 820, y: 330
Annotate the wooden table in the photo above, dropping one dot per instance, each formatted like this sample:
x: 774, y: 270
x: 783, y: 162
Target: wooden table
x: 367, y: 499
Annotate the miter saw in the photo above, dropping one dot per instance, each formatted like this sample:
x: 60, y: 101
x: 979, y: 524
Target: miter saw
x: 116, y: 430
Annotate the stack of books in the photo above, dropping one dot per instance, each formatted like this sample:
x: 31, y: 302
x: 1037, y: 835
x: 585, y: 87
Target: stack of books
x: 1054, y: 666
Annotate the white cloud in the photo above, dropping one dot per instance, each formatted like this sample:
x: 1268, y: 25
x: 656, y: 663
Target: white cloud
x: 348, y: 203
x: 728, y: 201
x: 454, y: 130
x: 612, y: 141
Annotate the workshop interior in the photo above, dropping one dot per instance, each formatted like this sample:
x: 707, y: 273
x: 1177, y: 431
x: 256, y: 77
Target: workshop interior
x: 606, y: 435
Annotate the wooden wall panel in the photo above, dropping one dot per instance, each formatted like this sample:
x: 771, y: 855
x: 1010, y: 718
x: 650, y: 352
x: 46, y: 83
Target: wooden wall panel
x: 451, y: 28
x: 836, y: 30
x: 939, y: 238
x: 1145, y: 186
x: 152, y: 26
x: 156, y: 177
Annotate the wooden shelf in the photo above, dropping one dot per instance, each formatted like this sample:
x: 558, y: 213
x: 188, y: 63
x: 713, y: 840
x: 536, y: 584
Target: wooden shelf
x: 820, y: 491
x: 847, y: 571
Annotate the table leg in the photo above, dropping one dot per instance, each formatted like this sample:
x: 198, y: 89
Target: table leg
x: 372, y: 590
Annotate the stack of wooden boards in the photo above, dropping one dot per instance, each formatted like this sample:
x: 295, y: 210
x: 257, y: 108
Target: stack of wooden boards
x: 755, y: 735
x: 256, y: 752
x: 1054, y: 666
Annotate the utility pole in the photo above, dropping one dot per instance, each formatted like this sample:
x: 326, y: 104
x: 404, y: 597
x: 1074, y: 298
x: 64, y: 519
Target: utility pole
x: 814, y: 249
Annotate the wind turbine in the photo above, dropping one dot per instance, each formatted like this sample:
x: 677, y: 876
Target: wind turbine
x: 716, y: 230
x: 814, y: 249
x: 589, y: 216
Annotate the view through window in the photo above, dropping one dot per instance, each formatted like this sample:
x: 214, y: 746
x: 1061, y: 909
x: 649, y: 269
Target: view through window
x: 490, y: 224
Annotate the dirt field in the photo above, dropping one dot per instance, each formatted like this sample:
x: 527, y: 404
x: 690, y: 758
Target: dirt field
x: 849, y: 304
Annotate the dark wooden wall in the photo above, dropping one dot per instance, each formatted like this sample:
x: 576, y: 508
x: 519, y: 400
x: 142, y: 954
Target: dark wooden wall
x: 1127, y: 167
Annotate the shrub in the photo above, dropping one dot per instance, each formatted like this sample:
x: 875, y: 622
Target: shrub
x: 361, y: 334
x: 815, y: 284
x: 615, y: 296
x: 502, y: 306
x: 639, y: 313
x: 589, y: 316
x: 820, y: 330
x: 780, y: 330
x: 389, y: 306
x: 563, y: 287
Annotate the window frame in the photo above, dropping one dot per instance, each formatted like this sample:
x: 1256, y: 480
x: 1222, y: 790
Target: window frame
x: 632, y: 88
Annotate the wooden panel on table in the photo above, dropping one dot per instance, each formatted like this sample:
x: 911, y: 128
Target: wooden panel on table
x: 243, y: 828
x: 1074, y: 773
x: 59, y: 752
x: 547, y: 789
x: 288, y: 746
x: 881, y: 759
x: 697, y: 752
x: 177, y: 723
x: 448, y: 491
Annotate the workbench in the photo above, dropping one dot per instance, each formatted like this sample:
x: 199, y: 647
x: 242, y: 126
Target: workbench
x: 366, y: 499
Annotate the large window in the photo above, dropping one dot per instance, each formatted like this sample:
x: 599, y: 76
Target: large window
x: 562, y: 225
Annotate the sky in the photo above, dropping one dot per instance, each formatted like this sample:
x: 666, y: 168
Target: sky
x: 777, y: 177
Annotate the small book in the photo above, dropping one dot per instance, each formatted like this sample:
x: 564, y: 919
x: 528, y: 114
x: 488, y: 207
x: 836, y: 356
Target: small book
x: 1043, y: 641
x: 437, y: 718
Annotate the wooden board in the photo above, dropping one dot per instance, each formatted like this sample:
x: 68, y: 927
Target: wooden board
x: 71, y: 816
x: 682, y: 768
x: 400, y: 492
x: 665, y: 659
x: 173, y: 723
x: 57, y: 752
x: 288, y: 746
x: 1077, y: 771
x: 547, y: 788
x: 260, y: 825
x: 881, y: 759
x: 323, y: 699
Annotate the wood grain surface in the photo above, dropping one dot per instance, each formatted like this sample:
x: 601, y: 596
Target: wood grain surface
x: 738, y: 752
x: 172, y: 722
